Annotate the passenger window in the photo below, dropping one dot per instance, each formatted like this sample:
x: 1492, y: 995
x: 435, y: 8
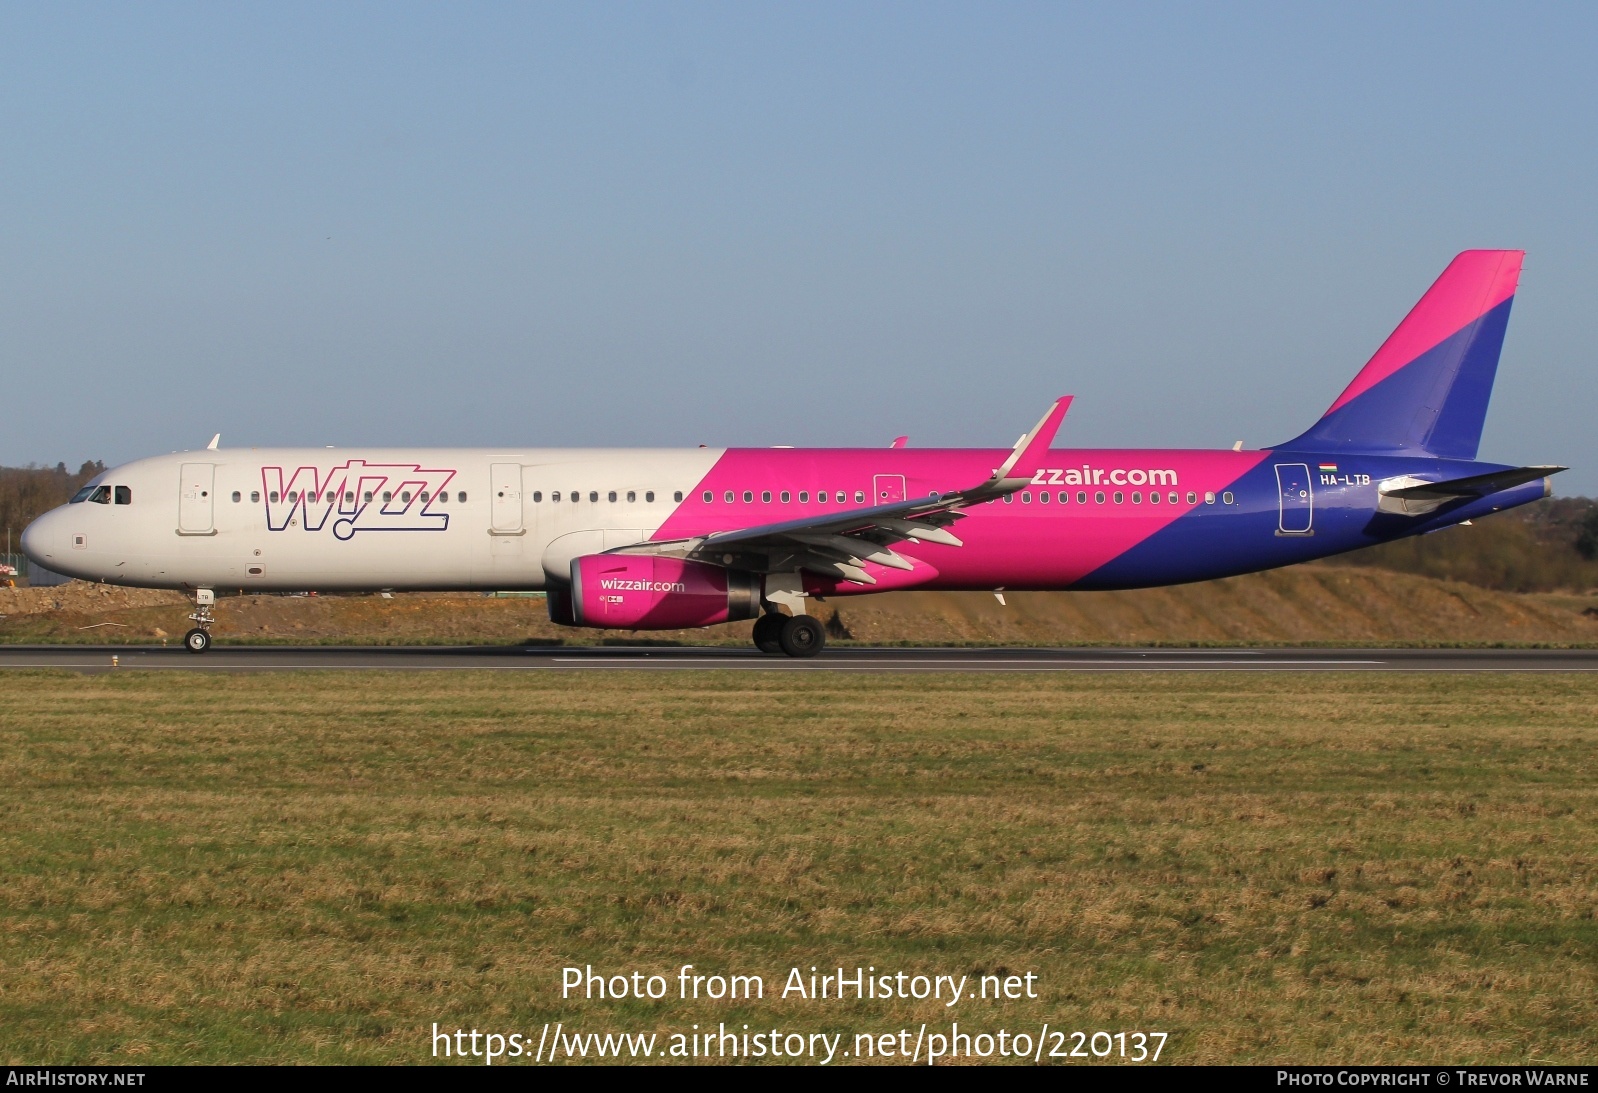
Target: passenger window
x: 237, y: 497
x: 677, y: 496
x: 1009, y: 499
x: 1119, y: 497
x: 1173, y: 497
x: 709, y: 497
x: 576, y: 497
x: 593, y: 495
x: 387, y: 496
x: 1043, y: 497
x: 331, y: 495
x: 611, y: 496
x: 842, y: 497
x: 1226, y: 498
x: 727, y: 497
x: 1137, y: 497
x: 273, y: 497
x: 1082, y: 498
x: 934, y: 495
x: 1026, y: 497
x: 555, y: 496
x: 765, y: 497
x: 461, y: 497
x: 649, y: 496
x: 786, y: 497
x: 804, y: 497
x: 821, y: 497
x: 632, y: 496
x: 405, y: 496
x: 365, y: 497
x: 748, y: 496
x: 1098, y: 498
x: 422, y: 498
x: 1192, y: 498
x: 255, y: 497
x: 859, y: 497
x: 349, y: 497
x: 1209, y: 499
x: 1065, y: 498
x: 1154, y: 498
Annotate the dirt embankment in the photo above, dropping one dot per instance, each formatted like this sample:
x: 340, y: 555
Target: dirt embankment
x: 1304, y: 605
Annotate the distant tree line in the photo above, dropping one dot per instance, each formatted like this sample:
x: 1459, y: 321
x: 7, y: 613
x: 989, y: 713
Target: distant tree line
x: 1542, y: 547
x: 25, y: 492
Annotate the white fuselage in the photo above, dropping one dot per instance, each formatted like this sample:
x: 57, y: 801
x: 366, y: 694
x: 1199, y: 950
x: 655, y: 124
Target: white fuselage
x: 323, y: 518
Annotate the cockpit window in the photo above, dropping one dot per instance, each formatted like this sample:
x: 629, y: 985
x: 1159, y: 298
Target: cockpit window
x: 124, y: 495
x: 81, y: 495
x: 101, y: 495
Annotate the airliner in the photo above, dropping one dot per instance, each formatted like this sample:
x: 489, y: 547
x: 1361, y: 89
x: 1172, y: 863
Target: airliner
x: 646, y: 539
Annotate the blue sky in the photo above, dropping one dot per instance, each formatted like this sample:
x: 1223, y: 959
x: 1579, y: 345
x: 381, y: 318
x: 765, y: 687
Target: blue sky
x: 754, y: 224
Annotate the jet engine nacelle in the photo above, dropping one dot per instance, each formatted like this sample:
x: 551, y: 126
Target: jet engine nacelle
x: 638, y: 592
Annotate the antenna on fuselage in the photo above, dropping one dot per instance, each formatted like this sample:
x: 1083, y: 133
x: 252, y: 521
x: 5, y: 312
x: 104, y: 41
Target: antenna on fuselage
x: 215, y: 440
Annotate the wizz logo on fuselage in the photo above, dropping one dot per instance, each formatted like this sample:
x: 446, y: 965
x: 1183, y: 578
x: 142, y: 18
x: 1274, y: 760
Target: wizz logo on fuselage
x: 357, y: 496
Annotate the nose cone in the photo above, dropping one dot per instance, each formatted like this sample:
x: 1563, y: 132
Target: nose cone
x: 45, y: 540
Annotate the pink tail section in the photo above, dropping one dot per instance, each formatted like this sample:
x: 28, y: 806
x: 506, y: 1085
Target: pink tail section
x: 1473, y: 284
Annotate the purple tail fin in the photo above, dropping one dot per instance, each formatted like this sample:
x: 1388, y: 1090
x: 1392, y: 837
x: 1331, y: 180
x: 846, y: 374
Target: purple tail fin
x: 1426, y: 389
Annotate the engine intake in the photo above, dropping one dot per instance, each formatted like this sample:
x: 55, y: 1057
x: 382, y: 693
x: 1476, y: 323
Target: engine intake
x: 639, y: 592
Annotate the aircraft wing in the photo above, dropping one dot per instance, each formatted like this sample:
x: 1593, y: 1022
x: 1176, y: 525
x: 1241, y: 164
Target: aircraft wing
x: 839, y: 544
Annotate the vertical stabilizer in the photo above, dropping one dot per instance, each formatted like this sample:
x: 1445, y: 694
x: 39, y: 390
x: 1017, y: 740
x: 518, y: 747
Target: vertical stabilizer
x: 1426, y: 389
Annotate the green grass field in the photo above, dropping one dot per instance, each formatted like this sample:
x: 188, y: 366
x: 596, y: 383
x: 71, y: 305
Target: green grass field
x: 317, y: 867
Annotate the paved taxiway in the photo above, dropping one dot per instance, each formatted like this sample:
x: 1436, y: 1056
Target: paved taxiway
x: 660, y: 658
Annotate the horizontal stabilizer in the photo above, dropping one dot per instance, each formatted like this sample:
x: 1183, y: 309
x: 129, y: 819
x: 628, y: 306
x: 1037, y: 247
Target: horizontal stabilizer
x: 1411, y: 496
x: 1479, y: 485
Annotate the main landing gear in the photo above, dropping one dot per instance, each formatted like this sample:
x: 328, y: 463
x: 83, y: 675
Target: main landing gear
x: 198, y: 640
x: 794, y: 635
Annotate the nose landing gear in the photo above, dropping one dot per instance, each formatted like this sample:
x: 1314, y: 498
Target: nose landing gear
x: 198, y: 640
x: 794, y: 635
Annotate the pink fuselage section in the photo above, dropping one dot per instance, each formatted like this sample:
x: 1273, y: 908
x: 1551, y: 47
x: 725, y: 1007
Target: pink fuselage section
x: 1024, y: 542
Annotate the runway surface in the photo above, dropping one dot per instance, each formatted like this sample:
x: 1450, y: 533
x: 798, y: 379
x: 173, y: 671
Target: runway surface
x: 659, y: 658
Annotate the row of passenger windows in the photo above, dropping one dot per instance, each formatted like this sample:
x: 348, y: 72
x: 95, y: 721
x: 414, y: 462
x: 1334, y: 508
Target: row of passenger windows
x: 822, y: 497
x: 1119, y: 497
x: 123, y: 495
x: 593, y: 496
